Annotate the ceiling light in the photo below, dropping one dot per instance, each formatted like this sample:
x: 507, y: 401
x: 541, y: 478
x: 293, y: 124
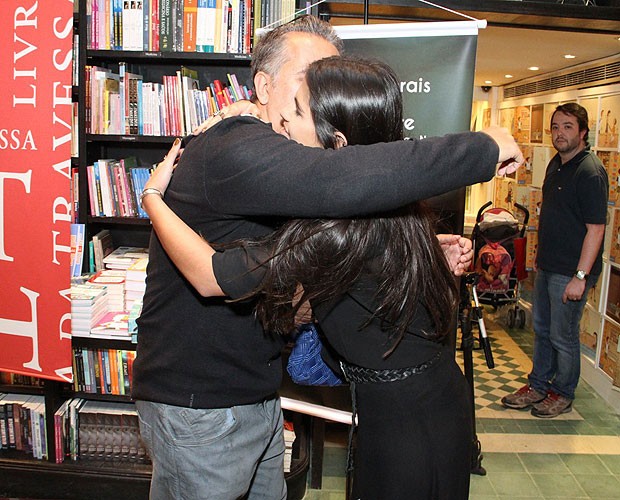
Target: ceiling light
x: 569, y: 56
x: 533, y: 68
x: 508, y: 76
x: 488, y: 82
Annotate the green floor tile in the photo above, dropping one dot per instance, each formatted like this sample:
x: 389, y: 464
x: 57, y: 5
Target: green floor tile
x: 557, y: 485
x: 552, y: 430
x: 481, y: 485
x: 514, y: 484
x: 490, y: 428
x: 612, y: 462
x: 598, y: 486
x: 502, y: 462
x: 544, y: 463
x: 512, y: 426
x: 584, y: 464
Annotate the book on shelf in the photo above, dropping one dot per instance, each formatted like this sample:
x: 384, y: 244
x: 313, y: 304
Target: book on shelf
x: 61, y: 431
x: 77, y: 248
x: 177, y: 25
x: 124, y: 256
x: 102, y: 168
x: 113, y: 324
x: 134, y: 314
x: 73, y: 451
x: 75, y: 194
x: 205, y: 25
x: 102, y: 247
x: 190, y: 19
x: 109, y: 431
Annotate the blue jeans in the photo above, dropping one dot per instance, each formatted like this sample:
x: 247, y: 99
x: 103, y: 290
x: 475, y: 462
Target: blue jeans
x: 215, y: 454
x: 557, y: 356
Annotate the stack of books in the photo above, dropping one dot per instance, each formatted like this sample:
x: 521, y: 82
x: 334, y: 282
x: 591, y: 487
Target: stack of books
x: 89, y: 303
x: 289, y: 439
x: 124, y: 257
x: 113, y: 325
x: 135, y: 282
x: 114, y: 281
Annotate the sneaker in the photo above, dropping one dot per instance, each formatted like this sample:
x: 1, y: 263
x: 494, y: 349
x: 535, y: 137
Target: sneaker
x: 523, y: 398
x: 552, y: 406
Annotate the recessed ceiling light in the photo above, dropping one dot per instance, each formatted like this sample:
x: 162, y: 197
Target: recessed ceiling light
x: 488, y: 82
x: 533, y: 68
x: 508, y: 76
x: 569, y: 56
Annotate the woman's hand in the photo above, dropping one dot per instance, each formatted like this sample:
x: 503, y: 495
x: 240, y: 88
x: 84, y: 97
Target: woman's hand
x: 242, y: 107
x: 160, y: 178
x: 458, y: 251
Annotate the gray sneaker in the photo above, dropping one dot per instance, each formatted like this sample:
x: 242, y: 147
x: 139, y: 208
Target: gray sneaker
x: 552, y: 406
x: 523, y: 398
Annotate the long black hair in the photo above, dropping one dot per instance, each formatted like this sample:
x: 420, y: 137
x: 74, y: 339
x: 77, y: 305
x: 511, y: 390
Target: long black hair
x: 398, y: 250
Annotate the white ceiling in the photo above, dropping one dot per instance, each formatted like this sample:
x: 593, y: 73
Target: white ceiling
x: 504, y: 51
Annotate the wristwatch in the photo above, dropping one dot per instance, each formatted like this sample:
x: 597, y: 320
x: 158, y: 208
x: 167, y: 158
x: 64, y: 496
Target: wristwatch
x: 580, y: 275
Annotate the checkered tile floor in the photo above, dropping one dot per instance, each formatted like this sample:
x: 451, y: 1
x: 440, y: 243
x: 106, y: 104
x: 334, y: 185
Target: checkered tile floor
x: 509, y: 374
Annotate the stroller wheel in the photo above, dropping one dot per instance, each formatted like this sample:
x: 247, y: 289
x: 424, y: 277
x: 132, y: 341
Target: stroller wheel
x: 521, y: 317
x: 511, y: 318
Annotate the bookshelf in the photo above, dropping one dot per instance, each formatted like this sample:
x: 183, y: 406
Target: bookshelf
x: 21, y: 475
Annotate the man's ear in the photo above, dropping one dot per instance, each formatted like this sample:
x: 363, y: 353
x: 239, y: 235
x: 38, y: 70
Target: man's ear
x: 262, y: 86
x: 341, y: 140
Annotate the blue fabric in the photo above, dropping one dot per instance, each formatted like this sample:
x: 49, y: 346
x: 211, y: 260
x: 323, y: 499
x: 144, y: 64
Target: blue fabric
x: 556, y: 363
x: 305, y: 364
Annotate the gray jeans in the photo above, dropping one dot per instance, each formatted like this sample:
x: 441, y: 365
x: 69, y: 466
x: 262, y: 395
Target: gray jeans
x: 218, y: 454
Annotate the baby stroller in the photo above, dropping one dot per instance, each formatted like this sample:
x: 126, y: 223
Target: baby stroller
x: 499, y: 258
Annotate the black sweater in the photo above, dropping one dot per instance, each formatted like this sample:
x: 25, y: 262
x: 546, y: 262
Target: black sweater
x: 233, y: 182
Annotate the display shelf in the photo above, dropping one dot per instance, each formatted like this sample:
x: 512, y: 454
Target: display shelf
x: 167, y: 57
x: 76, y: 480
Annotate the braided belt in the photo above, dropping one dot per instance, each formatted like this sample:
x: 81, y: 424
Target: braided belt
x: 361, y: 375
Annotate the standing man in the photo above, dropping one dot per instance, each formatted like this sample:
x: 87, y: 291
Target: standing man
x: 206, y: 376
x: 569, y: 261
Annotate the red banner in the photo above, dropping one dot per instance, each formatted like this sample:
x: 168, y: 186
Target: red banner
x: 36, y: 37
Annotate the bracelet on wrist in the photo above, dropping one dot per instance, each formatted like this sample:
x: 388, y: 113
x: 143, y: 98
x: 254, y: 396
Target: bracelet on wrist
x: 148, y: 191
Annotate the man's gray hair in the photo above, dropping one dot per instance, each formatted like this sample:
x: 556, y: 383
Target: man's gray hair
x: 270, y: 53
